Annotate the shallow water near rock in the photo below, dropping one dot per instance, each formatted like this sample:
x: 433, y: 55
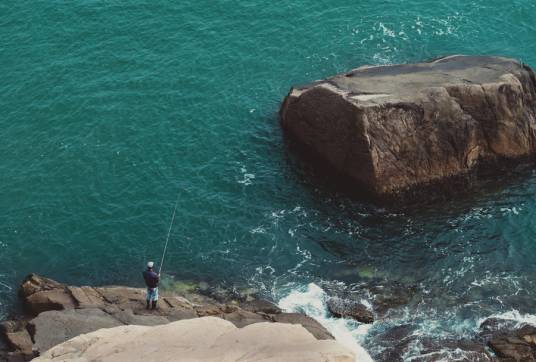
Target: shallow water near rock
x: 109, y: 110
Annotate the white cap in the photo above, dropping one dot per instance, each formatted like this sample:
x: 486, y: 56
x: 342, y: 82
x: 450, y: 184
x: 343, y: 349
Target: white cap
x: 150, y: 264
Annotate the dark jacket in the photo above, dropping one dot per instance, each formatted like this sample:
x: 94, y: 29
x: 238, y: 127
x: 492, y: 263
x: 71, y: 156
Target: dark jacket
x: 151, y: 278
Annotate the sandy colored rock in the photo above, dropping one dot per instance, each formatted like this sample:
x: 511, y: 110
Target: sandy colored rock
x: 86, y: 297
x: 390, y: 128
x: 34, y: 283
x: 69, y: 311
x: 49, y: 300
x: 127, y: 316
x: 206, y: 339
x: 41, y: 294
x: 20, y: 341
x: 132, y: 298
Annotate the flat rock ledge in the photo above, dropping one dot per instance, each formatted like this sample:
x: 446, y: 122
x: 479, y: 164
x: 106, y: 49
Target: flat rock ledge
x: 200, y: 339
x: 389, y: 129
x: 56, y: 313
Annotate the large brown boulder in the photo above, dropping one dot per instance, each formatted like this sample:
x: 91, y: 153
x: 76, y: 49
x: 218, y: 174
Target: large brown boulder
x: 388, y: 129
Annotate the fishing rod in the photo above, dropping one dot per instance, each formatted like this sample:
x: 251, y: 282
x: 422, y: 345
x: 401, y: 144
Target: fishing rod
x: 168, y: 234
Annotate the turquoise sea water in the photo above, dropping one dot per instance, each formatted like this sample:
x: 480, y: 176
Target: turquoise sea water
x: 109, y: 109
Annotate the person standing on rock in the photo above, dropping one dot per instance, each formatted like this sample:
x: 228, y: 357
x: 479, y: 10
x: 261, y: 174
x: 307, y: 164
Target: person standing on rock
x: 151, y: 280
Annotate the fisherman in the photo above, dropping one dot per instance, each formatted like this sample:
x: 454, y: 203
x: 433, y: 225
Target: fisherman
x: 151, y: 280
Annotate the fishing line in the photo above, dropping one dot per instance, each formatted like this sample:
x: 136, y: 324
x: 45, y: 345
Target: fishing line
x: 168, y: 234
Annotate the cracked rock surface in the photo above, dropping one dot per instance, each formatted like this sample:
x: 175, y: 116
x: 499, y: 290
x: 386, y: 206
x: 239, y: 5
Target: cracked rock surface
x: 57, y: 313
x: 391, y: 128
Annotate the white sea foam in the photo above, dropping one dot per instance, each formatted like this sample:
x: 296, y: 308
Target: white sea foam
x: 386, y: 31
x: 247, y: 177
x: 258, y: 230
x: 312, y: 301
x: 514, y: 315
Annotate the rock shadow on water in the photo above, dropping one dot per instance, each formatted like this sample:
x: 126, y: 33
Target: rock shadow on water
x: 457, y: 192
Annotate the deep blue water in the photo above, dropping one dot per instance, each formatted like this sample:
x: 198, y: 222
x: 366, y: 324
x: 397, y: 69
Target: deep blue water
x: 108, y: 110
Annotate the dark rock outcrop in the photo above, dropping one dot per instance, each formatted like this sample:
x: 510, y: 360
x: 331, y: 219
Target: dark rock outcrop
x: 348, y: 308
x: 261, y: 306
x: 57, y: 313
x: 387, y: 296
x: 388, y: 129
x: 401, y: 343
x: 18, y: 340
x: 515, y: 345
x: 54, y: 327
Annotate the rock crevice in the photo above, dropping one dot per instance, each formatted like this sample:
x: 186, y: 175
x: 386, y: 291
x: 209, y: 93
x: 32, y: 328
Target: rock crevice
x: 57, y: 313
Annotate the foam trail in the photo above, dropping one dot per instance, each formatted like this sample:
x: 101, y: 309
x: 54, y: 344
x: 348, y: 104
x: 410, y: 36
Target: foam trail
x: 5, y: 285
x: 312, y: 302
x: 515, y: 316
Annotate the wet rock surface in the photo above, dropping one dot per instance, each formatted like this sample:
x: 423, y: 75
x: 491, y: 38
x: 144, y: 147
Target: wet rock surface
x: 393, y: 295
x: 57, y: 313
x: 343, y: 308
x: 396, y: 343
x: 388, y: 129
x: 382, y: 297
x: 510, y: 341
x: 393, y: 342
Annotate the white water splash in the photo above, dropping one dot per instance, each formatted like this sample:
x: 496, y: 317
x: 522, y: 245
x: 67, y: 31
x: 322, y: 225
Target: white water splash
x: 515, y: 316
x: 311, y: 301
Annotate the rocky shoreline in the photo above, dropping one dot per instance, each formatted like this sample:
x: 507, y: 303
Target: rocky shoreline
x: 55, y: 313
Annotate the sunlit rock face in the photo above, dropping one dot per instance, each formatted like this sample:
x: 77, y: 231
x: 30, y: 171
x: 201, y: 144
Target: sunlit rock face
x: 388, y: 129
x: 200, y: 339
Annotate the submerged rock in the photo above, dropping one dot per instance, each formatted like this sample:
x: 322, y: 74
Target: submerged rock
x: 348, y: 308
x: 203, y: 339
x: 387, y: 296
x: 393, y: 343
x: 388, y: 129
x: 406, y: 343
